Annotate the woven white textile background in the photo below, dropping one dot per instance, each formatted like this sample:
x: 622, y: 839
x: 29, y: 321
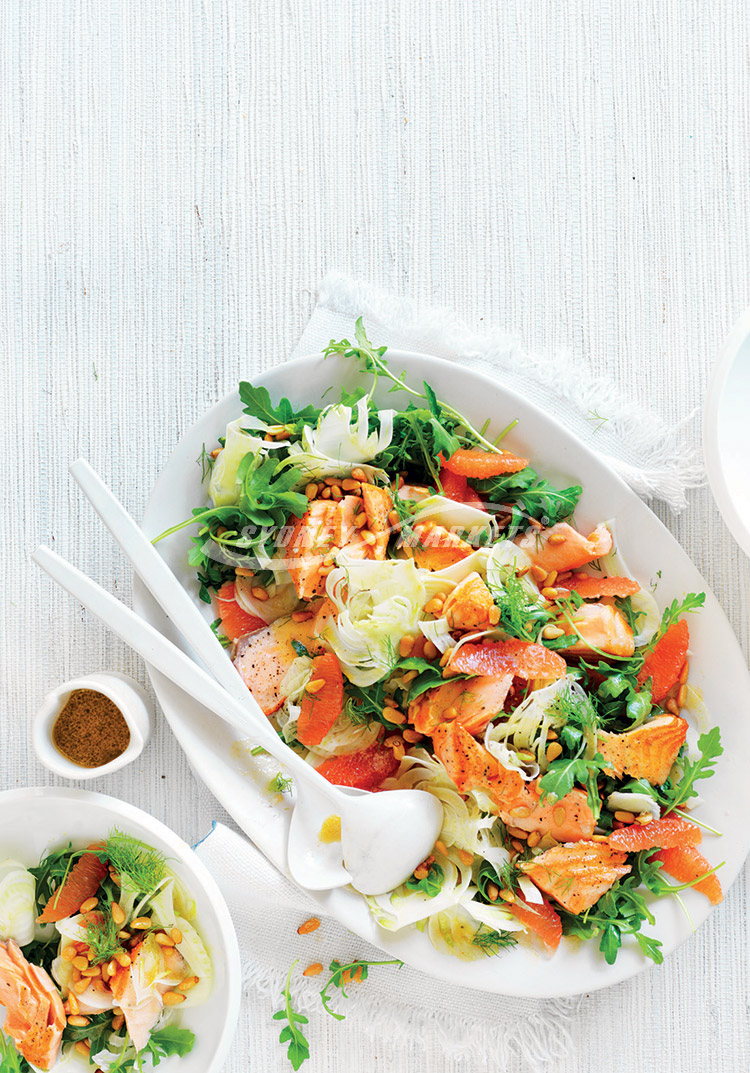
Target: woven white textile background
x: 178, y: 176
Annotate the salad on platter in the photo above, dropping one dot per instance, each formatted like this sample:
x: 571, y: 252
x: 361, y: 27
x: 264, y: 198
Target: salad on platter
x: 414, y: 606
x: 99, y: 955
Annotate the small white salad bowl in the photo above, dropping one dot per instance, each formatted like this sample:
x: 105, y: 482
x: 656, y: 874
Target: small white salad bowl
x: 125, y: 693
x: 35, y: 820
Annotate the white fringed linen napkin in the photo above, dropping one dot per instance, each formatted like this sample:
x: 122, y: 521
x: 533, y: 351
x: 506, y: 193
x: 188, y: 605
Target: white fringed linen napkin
x: 487, y: 1031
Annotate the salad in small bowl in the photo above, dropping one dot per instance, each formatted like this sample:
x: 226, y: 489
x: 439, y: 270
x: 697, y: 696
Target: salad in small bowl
x: 103, y: 952
x: 413, y: 605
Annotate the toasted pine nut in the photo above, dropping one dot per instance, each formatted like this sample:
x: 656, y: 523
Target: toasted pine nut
x: 441, y: 847
x: 559, y: 814
x: 393, y: 715
x: 325, y: 493
x: 554, y: 749
x: 399, y: 752
x: 188, y: 983
x: 409, y: 677
x: 111, y: 967
x: 368, y: 537
x: 259, y: 593
x: 77, y: 1021
x: 434, y: 606
x: 313, y: 970
x: 124, y: 935
x: 80, y: 986
x: 682, y: 696
x: 350, y: 485
x: 519, y: 833
x: 538, y: 573
x: 336, y: 492
x: 445, y: 657
x: 551, y: 577
x: 452, y: 712
x: 324, y: 571
x: 507, y: 896
x: 68, y: 953
x: 163, y: 939
x: 392, y: 741
x: 420, y: 872
x: 412, y: 736
x: 517, y: 845
x: 80, y: 962
x: 118, y: 913
x: 405, y: 645
x: 533, y: 839
x: 551, y: 734
x: 549, y: 593
x: 394, y: 519
x: 600, y: 838
x: 118, y: 1021
x: 431, y: 651
x: 493, y: 616
x: 556, y: 538
x: 684, y: 672
x: 123, y: 960
x: 550, y: 632
x: 301, y: 616
x: 115, y: 878
x: 643, y: 818
x: 492, y: 892
x: 309, y: 925
x: 311, y: 491
x: 82, y: 1046
x: 360, y: 520
x: 173, y: 998
x: 359, y: 474
x: 671, y: 706
x: 242, y: 571
x: 466, y: 857
x: 88, y: 905
x: 176, y: 936
x: 141, y: 923
x: 315, y: 685
x: 624, y: 817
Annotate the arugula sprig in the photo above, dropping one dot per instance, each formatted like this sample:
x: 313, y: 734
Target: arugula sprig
x: 282, y: 417
x: 621, y: 911
x: 11, y: 1061
x: 163, y: 1043
x: 579, y: 762
x: 372, y: 358
x: 343, y: 974
x: 672, y: 795
x: 692, y: 601
x: 298, y: 1050
x: 527, y: 495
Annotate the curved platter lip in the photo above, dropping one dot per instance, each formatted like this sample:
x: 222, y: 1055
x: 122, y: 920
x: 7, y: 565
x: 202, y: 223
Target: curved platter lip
x: 726, y: 443
x: 717, y: 664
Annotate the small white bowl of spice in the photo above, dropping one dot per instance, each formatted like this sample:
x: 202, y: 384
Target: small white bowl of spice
x: 92, y: 726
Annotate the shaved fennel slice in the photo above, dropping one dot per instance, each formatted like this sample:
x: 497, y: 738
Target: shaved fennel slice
x: 342, y: 435
x: 526, y: 728
x: 402, y: 906
x: 438, y: 631
x: 17, y: 902
x: 456, y: 516
x: 630, y: 801
x: 378, y: 603
x: 223, y: 487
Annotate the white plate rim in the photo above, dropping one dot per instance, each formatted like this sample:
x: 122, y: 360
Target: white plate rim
x: 712, y: 454
x: 603, y: 975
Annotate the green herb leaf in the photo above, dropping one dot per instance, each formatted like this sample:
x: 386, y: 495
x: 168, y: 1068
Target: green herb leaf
x: 298, y: 1050
x: 10, y: 1059
x: 692, y: 770
x: 143, y: 864
x: 280, y: 784
x: 336, y: 979
x: 432, y: 883
x: 491, y: 941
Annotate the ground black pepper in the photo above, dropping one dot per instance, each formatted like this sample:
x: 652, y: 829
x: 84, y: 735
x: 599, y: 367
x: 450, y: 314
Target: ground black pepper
x: 90, y: 730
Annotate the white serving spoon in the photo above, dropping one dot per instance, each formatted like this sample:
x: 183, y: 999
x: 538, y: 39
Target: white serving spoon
x: 384, y: 836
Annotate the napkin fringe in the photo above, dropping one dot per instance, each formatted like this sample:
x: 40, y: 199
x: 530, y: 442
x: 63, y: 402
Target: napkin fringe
x: 663, y: 464
x: 546, y: 1040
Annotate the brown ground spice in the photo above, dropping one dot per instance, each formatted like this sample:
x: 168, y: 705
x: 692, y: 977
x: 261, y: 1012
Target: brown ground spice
x: 90, y: 730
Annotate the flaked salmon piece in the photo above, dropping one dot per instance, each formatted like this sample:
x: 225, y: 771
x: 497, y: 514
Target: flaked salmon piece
x: 378, y: 504
x: 576, y: 874
x: 664, y: 833
x: 567, y: 549
x: 312, y: 539
x: 35, y: 1019
x: 473, y: 702
x: 599, y: 626
x: 523, y: 659
x: 264, y: 657
x: 413, y: 492
x: 568, y: 819
x: 647, y: 752
x: 436, y: 547
x: 346, y: 532
x: 466, y: 760
x: 469, y: 605
x: 517, y: 802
